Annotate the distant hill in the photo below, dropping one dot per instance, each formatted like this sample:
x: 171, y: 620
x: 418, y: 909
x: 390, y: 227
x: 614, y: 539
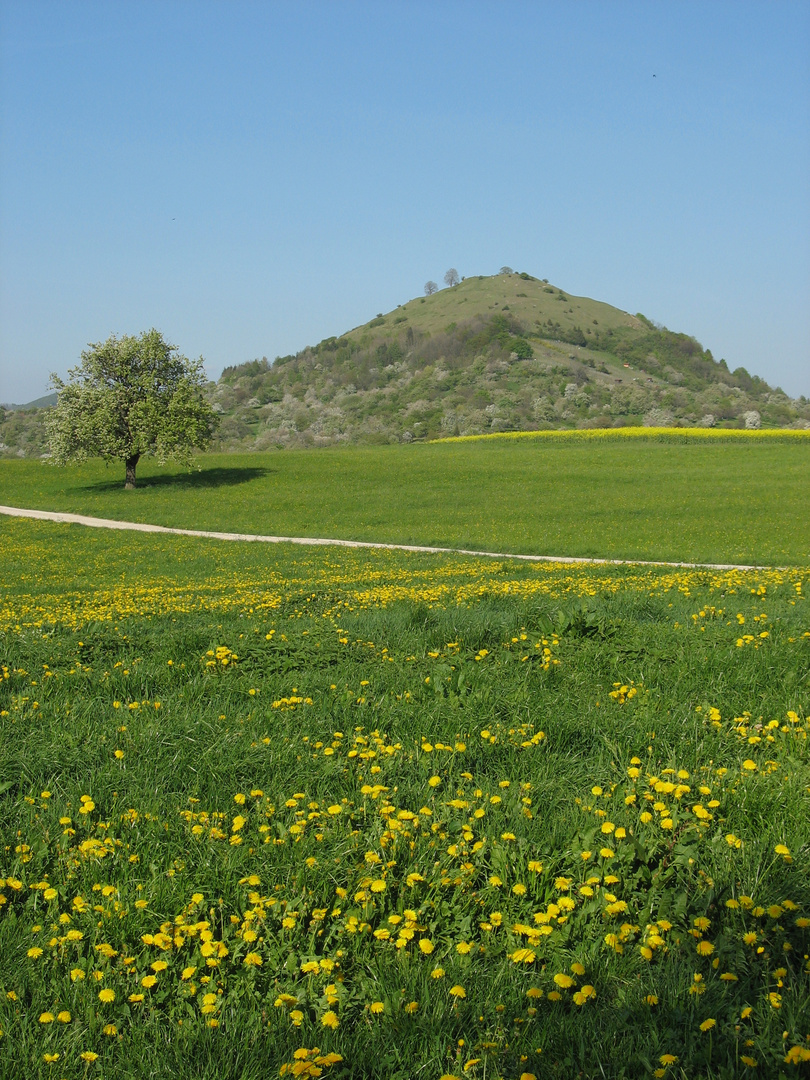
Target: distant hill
x: 41, y: 403
x: 508, y: 352
x: 22, y: 431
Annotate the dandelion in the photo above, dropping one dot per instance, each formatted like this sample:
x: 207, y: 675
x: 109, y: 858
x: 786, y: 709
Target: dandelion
x: 376, y: 1007
x: 63, y: 1017
x: 563, y: 981
x: 437, y: 973
x: 668, y: 1059
x: 426, y: 946
x: 705, y: 948
x: 35, y: 952
x: 707, y: 1025
x: 106, y: 996
x: 50, y: 1058
x: 523, y: 956
x: 253, y: 960
x: 458, y: 991
x: 46, y: 1018
x: 88, y: 1056
x: 330, y: 1020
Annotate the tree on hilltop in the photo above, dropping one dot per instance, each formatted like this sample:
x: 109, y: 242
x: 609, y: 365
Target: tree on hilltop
x: 130, y: 396
x: 451, y: 278
x: 430, y: 288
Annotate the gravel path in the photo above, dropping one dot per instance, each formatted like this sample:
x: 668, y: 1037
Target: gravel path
x: 107, y: 523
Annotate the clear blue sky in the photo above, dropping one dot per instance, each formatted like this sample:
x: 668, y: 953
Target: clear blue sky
x: 250, y: 177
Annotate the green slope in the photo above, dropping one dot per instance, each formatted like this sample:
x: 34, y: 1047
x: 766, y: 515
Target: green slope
x: 501, y: 353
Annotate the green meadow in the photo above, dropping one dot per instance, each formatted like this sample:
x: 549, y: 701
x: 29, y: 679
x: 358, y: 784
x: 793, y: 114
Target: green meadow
x: 273, y: 810
x: 285, y: 811
x: 745, y: 500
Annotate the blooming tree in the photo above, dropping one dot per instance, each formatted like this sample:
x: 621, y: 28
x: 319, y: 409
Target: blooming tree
x: 130, y: 396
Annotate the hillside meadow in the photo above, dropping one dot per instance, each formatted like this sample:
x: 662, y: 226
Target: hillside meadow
x: 283, y: 811
x: 678, y: 496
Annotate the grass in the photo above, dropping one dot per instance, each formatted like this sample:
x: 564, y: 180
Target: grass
x: 742, y: 501
x: 529, y: 301
x: 496, y: 819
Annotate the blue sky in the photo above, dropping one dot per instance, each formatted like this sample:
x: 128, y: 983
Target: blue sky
x: 252, y: 177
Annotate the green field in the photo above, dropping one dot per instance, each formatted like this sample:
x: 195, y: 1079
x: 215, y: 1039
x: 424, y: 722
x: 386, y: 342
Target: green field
x: 742, y: 501
x: 431, y: 815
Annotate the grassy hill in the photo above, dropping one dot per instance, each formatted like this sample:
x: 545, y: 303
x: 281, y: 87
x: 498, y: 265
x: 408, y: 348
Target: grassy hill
x: 501, y: 353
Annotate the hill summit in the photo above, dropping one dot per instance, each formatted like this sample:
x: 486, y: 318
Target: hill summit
x: 508, y: 352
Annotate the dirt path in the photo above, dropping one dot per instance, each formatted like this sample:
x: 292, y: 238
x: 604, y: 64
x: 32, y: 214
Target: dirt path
x: 107, y: 523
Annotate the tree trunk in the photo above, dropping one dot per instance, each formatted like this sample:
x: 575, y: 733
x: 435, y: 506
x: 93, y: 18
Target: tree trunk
x: 131, y: 463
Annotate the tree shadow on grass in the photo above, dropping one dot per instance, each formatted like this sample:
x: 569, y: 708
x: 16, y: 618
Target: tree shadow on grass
x: 193, y: 481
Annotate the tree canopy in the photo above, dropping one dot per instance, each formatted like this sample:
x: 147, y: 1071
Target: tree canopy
x: 129, y: 397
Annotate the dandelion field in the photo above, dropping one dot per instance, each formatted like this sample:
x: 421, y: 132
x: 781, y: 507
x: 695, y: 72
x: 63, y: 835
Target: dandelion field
x: 300, y: 812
